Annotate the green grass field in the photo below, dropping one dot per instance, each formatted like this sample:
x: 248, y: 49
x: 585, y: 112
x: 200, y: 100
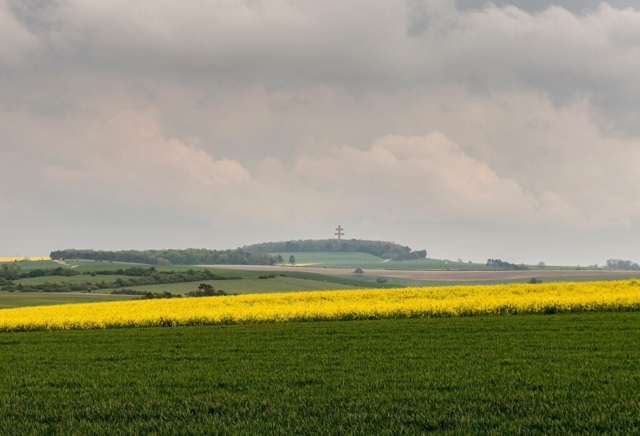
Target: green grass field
x: 249, y: 283
x: 288, y: 281
x: 536, y: 374
x: 20, y: 299
x: 245, y: 286
x: 368, y: 261
x: 82, y: 278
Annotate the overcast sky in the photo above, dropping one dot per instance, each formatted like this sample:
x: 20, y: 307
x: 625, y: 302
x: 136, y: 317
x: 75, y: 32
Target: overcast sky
x: 473, y: 130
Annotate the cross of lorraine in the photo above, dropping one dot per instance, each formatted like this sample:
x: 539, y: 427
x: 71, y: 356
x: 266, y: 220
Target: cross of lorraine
x: 339, y: 232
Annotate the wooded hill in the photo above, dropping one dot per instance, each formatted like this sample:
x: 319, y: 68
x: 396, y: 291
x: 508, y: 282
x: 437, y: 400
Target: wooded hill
x: 383, y: 249
x: 189, y: 256
x: 257, y: 254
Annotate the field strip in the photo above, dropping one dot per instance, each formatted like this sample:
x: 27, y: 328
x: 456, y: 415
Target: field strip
x: 332, y: 305
x: 444, y: 276
x: 24, y: 258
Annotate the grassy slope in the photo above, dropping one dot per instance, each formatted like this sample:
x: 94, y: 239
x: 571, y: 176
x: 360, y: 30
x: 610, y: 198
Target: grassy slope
x: 82, y: 278
x: 245, y: 286
x: 556, y: 374
x: 20, y: 299
x: 363, y: 260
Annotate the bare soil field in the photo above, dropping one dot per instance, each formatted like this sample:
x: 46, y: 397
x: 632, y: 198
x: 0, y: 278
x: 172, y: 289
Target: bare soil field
x: 445, y: 276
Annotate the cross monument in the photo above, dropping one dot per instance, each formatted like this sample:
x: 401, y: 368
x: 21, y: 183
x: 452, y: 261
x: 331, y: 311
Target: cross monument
x: 339, y: 233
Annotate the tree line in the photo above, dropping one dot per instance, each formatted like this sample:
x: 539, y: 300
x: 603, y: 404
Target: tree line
x: 13, y: 271
x: 134, y: 277
x: 383, y: 249
x: 498, y: 263
x: 622, y: 264
x: 189, y: 256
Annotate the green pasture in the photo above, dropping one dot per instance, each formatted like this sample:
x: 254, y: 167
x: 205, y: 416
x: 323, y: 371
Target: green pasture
x: 20, y: 299
x: 370, y: 281
x: 82, y: 278
x: 368, y: 261
x: 250, y: 282
x: 331, y: 260
x: 247, y: 286
x: 90, y: 265
x: 530, y: 374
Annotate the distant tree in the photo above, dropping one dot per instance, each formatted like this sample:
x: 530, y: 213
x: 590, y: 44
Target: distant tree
x: 358, y: 271
x: 622, y: 264
x: 206, y: 289
x: 505, y: 265
x: 280, y: 260
x: 292, y: 260
x: 10, y: 271
x: 541, y: 264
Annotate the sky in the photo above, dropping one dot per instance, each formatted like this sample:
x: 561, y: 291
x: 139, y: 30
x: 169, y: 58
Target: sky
x: 470, y: 129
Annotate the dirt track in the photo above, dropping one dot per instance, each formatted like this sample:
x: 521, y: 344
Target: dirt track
x: 444, y: 276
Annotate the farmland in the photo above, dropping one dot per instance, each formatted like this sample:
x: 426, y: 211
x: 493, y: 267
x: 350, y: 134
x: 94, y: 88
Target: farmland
x: 21, y: 299
x: 334, y: 305
x: 323, y: 271
x: 364, y: 260
x: 552, y: 374
x: 24, y: 258
x: 408, y: 365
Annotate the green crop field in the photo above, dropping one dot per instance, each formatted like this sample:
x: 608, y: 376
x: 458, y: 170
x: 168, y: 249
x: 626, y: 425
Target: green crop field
x: 368, y: 261
x: 364, y: 260
x: 82, y: 278
x: 244, y: 286
x: 553, y: 374
x: 90, y: 265
x: 288, y: 281
x: 20, y: 299
x: 332, y: 260
x: 249, y: 282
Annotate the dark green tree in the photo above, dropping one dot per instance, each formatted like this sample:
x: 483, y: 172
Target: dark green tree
x: 10, y: 271
x: 206, y: 289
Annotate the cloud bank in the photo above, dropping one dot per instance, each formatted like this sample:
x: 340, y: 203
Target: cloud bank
x: 472, y: 130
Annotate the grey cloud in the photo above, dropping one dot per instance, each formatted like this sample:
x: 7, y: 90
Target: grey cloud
x: 358, y: 47
x: 422, y: 122
x: 578, y: 6
x: 16, y: 42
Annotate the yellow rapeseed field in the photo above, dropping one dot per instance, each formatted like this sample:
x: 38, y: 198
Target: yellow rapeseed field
x: 332, y: 305
x: 23, y: 258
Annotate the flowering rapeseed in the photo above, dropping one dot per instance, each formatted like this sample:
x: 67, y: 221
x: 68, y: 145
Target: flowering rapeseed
x: 24, y: 258
x: 332, y: 305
